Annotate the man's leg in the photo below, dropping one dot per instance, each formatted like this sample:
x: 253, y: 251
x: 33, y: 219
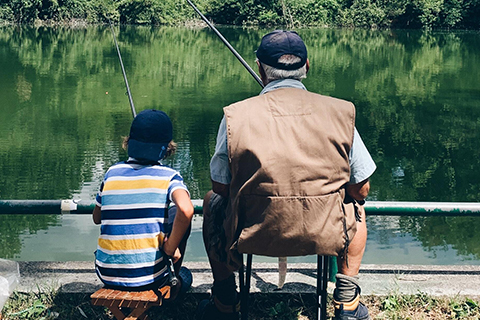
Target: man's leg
x: 224, y: 302
x: 347, y: 292
x: 219, y: 269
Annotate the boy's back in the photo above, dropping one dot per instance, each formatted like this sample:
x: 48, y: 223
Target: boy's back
x: 134, y: 199
x: 133, y: 210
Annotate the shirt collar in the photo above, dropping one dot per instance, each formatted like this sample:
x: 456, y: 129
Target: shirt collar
x: 283, y: 83
x: 131, y: 159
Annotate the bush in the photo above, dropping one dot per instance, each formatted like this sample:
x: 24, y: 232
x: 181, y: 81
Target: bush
x: 6, y: 13
x: 25, y: 11
x: 310, y: 12
x: 428, y: 11
x: 363, y: 13
x: 426, y: 14
x: 225, y: 12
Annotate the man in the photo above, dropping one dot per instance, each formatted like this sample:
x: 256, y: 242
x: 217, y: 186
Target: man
x: 288, y: 172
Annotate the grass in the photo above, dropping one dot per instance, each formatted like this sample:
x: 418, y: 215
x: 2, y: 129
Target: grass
x: 67, y: 306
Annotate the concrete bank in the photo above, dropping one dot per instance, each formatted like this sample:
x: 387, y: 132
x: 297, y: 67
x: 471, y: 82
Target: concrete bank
x: 80, y: 277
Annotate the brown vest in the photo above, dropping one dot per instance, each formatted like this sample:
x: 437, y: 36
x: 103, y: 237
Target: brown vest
x: 289, y: 162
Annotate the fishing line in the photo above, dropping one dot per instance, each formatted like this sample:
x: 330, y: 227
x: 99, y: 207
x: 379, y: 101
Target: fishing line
x: 134, y: 113
x: 229, y: 46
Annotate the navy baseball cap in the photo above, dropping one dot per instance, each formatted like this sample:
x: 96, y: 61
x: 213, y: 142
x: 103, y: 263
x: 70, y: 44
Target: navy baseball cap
x: 278, y: 43
x: 150, y: 134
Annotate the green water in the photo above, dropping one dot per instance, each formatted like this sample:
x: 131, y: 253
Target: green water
x: 64, y: 111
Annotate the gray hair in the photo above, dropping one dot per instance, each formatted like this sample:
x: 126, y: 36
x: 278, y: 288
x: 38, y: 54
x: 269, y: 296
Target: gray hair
x: 277, y: 74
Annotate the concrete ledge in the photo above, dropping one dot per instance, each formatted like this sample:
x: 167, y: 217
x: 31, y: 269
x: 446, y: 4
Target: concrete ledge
x: 80, y: 277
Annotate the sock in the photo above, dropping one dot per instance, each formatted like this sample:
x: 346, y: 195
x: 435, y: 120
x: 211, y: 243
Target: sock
x: 225, y: 291
x: 347, y: 290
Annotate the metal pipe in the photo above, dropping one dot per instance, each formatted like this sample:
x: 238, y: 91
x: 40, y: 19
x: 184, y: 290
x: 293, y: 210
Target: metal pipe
x: 229, y: 46
x: 404, y: 208
x: 130, y: 99
x: 372, y: 208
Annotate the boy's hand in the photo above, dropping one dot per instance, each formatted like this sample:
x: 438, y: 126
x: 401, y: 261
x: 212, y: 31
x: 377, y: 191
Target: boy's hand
x: 171, y: 252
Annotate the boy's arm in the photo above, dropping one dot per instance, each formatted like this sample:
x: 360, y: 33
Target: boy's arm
x: 97, y: 215
x: 182, y: 220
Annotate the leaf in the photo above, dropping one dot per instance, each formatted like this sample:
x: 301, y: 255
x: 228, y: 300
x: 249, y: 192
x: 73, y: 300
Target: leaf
x: 81, y: 312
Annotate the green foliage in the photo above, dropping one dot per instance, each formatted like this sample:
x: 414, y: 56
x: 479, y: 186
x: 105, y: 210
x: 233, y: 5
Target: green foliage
x: 153, y: 12
x: 103, y: 10
x: 225, y: 12
x: 363, y: 13
x: 6, y: 13
x: 309, y: 12
x: 246, y: 12
x: 427, y: 14
x: 452, y: 13
x: 25, y: 11
x: 428, y: 11
x: 282, y: 311
x: 464, y: 309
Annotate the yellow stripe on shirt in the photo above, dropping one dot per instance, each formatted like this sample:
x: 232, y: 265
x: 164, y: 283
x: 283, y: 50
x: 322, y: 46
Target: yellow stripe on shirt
x: 135, y: 184
x: 128, y: 244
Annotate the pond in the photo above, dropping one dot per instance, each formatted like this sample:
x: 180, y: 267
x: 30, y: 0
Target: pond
x: 64, y: 112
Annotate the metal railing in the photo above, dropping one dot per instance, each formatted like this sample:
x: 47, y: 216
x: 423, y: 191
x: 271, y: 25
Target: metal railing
x: 376, y: 208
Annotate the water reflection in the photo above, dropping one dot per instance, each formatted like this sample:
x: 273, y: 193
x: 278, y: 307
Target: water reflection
x: 64, y: 111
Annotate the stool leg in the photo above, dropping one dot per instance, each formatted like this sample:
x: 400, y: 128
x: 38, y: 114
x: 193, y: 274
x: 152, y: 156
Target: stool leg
x: 138, y: 313
x: 117, y: 313
x: 246, y: 288
x: 322, y: 281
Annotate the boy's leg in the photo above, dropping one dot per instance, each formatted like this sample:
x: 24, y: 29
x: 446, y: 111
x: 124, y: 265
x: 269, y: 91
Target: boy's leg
x: 224, y: 302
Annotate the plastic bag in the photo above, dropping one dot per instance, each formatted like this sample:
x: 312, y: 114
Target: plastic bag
x: 9, y: 278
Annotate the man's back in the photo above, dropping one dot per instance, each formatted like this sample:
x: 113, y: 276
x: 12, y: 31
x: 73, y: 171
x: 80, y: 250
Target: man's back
x: 289, y: 161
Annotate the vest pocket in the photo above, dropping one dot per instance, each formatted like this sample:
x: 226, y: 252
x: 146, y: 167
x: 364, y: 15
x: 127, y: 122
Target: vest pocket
x: 293, y: 226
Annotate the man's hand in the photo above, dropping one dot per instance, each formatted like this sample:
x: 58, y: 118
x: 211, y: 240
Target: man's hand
x: 97, y: 215
x: 221, y: 189
x: 359, y: 191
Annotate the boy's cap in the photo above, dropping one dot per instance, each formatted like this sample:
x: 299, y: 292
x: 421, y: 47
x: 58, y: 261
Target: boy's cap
x: 150, y: 134
x: 278, y: 43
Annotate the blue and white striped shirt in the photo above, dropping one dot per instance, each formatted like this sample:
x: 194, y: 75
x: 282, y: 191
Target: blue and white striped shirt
x: 134, y: 199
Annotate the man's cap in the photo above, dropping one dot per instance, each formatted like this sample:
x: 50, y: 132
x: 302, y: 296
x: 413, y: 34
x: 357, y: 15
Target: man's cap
x: 278, y: 43
x: 150, y: 134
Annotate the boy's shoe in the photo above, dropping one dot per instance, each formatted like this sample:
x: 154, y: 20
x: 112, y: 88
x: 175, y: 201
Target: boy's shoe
x: 348, y: 311
x: 207, y: 310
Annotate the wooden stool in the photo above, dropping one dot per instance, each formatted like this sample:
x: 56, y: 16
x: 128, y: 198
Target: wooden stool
x: 138, y: 301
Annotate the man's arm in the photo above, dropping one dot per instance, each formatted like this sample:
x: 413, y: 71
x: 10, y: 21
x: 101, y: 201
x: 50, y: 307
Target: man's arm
x: 359, y: 191
x: 219, y: 165
x: 221, y: 189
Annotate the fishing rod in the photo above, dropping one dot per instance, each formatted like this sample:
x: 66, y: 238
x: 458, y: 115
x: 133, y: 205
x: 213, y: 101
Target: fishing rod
x: 229, y: 46
x: 172, y: 278
x: 134, y: 113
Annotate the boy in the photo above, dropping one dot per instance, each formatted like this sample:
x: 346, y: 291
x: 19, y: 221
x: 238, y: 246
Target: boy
x: 132, y: 208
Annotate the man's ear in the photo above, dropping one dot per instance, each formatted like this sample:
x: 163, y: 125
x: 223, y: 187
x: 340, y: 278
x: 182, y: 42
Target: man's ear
x: 307, y: 65
x: 262, y: 73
